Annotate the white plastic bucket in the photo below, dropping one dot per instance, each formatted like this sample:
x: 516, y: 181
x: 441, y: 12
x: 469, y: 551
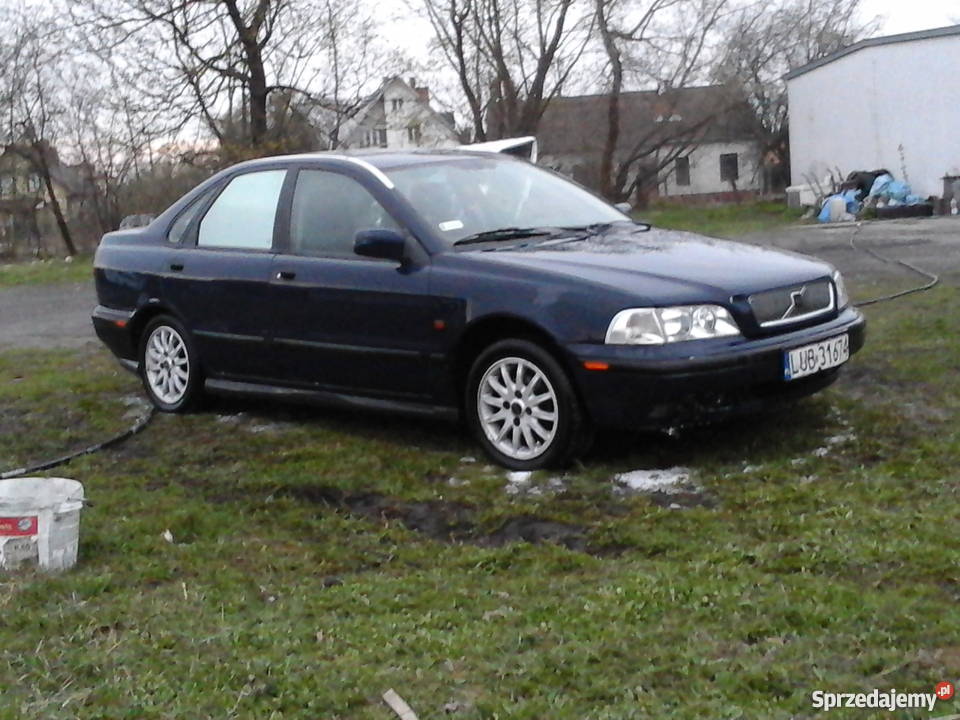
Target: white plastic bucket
x: 39, y: 522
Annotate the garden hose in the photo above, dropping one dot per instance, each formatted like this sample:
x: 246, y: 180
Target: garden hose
x: 139, y: 425
x: 932, y: 278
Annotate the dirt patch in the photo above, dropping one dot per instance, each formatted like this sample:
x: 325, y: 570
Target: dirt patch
x: 440, y: 519
x: 531, y: 529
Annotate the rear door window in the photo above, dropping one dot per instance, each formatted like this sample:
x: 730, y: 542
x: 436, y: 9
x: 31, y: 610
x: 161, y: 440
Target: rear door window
x: 243, y: 215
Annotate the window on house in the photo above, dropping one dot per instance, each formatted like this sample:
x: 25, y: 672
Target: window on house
x: 682, y: 170
x: 414, y: 134
x: 380, y: 135
x: 8, y: 186
x: 33, y: 183
x: 729, y: 167
x: 396, y: 104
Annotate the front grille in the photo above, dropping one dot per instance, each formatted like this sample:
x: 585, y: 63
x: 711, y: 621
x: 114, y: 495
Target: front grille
x: 792, y: 304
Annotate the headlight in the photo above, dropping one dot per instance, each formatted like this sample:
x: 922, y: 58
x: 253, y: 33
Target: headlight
x: 842, y: 298
x: 656, y: 326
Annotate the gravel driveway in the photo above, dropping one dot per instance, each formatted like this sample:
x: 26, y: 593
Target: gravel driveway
x: 46, y: 316
x: 58, y: 316
x: 932, y: 244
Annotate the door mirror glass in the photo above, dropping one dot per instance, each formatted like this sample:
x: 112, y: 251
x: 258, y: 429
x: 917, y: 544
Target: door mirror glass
x: 381, y: 243
x: 624, y: 207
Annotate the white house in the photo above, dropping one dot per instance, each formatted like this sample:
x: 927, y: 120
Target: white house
x: 702, y: 140
x: 399, y: 116
x: 889, y: 102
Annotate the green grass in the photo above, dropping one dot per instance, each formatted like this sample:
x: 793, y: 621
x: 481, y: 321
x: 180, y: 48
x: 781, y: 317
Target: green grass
x: 40, y: 272
x: 727, y: 221
x: 279, y: 598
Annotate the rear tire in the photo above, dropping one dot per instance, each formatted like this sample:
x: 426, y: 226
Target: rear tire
x: 522, y: 408
x: 170, y: 366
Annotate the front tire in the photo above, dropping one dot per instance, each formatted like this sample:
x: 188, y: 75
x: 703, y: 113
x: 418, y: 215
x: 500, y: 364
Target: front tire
x: 169, y: 366
x: 522, y: 408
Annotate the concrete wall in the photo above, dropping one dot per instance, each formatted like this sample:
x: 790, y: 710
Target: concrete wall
x: 705, y: 170
x: 855, y: 112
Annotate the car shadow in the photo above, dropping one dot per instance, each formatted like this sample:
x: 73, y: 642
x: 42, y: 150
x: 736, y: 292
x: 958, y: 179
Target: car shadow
x: 770, y: 435
x: 434, y: 434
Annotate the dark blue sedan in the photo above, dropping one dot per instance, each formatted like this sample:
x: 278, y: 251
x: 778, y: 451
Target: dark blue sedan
x: 461, y: 283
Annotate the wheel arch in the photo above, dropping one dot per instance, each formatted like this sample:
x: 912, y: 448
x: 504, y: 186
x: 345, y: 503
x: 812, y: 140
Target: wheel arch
x: 485, y: 331
x: 142, y: 317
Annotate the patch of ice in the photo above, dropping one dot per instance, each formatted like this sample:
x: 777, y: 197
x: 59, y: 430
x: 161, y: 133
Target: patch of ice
x: 751, y: 468
x: 519, y: 483
x: 269, y: 427
x: 468, y: 459
x: 669, y: 480
x: 841, y: 439
x: 457, y: 482
x: 821, y: 452
x: 798, y: 461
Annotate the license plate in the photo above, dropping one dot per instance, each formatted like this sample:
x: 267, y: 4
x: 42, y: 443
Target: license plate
x: 813, y: 358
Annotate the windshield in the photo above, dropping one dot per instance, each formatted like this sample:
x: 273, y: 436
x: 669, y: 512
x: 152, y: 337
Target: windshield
x: 466, y: 196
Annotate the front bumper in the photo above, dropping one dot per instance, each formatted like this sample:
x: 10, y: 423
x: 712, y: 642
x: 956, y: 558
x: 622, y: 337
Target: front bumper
x: 651, y: 386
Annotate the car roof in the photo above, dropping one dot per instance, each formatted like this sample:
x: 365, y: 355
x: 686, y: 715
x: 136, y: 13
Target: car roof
x: 379, y: 158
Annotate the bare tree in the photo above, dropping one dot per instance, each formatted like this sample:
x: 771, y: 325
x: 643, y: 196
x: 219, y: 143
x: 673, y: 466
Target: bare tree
x: 222, y: 61
x: 33, y: 107
x: 511, y: 57
x: 763, y: 41
x: 112, y: 133
x: 661, y: 45
x: 353, y: 61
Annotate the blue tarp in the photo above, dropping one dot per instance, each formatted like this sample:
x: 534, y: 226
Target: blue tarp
x: 851, y: 202
x: 895, y: 192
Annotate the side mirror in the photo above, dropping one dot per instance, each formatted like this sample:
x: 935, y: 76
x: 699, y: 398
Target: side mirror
x: 380, y: 243
x: 624, y: 207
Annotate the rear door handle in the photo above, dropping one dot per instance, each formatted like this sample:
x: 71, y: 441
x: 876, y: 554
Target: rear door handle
x: 176, y: 267
x: 286, y: 275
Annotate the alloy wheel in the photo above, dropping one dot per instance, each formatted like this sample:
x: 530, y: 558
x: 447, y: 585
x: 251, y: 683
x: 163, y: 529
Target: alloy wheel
x: 167, y: 365
x: 517, y: 407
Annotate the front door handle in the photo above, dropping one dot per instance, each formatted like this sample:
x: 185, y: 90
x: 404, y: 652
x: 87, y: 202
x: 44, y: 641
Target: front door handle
x: 286, y: 275
x: 176, y: 267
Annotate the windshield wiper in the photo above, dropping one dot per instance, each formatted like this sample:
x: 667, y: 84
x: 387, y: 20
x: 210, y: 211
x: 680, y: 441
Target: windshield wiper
x: 509, y: 233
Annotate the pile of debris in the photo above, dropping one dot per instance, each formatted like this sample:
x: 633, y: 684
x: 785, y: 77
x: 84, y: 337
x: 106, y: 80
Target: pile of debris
x: 865, y: 194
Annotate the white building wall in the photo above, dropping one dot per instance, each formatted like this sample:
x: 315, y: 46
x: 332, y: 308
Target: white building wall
x: 705, y: 170
x: 857, y: 112
x: 398, y: 110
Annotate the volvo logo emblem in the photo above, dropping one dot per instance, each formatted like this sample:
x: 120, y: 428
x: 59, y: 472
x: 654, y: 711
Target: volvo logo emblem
x: 796, y: 300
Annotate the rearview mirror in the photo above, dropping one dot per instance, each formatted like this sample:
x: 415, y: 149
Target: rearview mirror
x: 380, y: 243
x: 624, y: 207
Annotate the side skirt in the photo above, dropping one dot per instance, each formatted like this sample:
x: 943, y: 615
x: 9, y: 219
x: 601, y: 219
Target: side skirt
x: 324, y: 397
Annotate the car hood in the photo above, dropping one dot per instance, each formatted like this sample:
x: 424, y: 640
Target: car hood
x: 655, y: 261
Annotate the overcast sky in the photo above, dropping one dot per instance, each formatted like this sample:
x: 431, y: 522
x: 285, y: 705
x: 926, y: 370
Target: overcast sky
x: 908, y: 15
